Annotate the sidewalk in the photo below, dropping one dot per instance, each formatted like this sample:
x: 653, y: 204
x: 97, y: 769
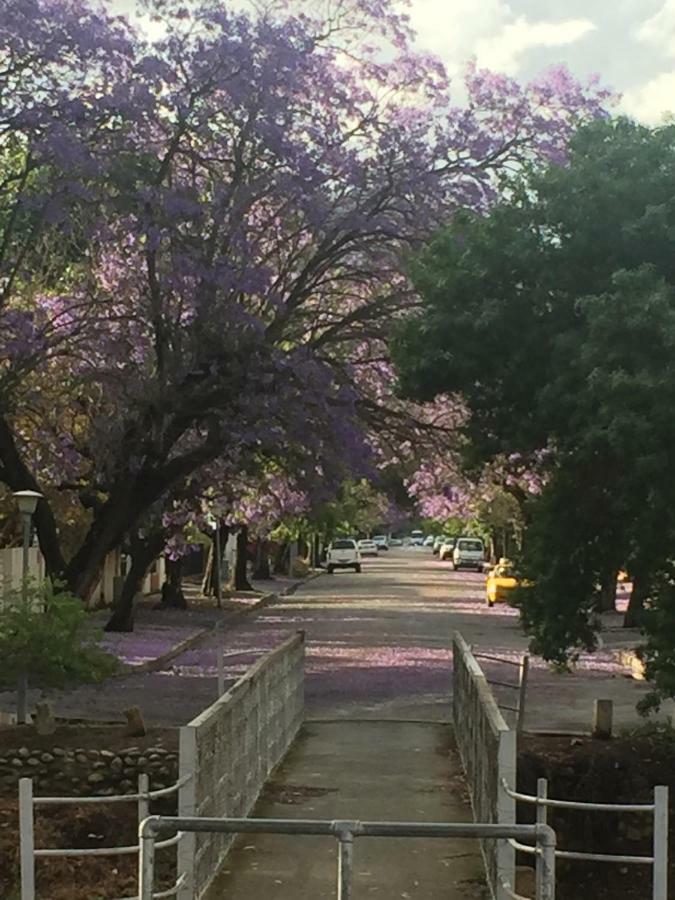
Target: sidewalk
x: 160, y: 635
x: 375, y: 770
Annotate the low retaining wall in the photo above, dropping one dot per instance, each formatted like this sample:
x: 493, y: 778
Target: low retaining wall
x: 230, y: 750
x: 63, y: 772
x: 488, y: 750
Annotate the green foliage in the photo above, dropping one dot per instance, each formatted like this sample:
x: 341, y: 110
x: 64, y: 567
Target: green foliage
x: 358, y: 508
x: 49, y: 638
x: 554, y: 318
x: 658, y: 652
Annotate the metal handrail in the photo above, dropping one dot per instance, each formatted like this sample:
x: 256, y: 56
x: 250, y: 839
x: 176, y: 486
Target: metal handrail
x: 523, y: 666
x: 102, y: 851
x: 573, y: 804
x: 114, y: 798
x: 29, y: 853
x: 498, y: 659
x: 346, y: 832
x: 658, y: 809
x: 579, y: 854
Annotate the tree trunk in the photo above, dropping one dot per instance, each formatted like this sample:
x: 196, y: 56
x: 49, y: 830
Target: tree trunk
x: 240, y: 580
x: 143, y: 553
x: 606, y: 601
x: 636, y: 604
x: 281, y: 559
x: 18, y: 477
x: 261, y: 570
x: 172, y: 589
x: 211, y: 571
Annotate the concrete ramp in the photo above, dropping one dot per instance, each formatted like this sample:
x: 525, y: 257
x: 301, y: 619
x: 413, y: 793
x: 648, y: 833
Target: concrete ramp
x: 368, y: 770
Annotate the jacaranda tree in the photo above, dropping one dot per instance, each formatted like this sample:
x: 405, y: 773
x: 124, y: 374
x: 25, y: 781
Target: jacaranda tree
x: 199, y: 230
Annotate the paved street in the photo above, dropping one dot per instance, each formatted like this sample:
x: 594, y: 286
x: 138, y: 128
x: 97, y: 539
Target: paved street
x: 379, y: 646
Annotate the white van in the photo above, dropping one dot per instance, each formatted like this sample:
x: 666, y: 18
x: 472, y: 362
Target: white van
x: 469, y: 553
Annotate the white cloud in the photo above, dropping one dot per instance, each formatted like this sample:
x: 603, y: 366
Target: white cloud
x: 650, y: 102
x: 503, y: 51
x: 456, y: 30
x: 660, y: 28
x: 452, y: 28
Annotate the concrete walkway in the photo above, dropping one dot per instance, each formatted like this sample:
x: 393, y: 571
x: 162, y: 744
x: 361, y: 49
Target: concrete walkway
x: 376, y: 770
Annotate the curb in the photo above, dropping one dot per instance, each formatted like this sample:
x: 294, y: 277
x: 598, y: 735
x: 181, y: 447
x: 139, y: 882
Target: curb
x: 152, y: 665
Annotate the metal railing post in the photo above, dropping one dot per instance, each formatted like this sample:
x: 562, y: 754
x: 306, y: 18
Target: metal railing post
x: 143, y: 799
x: 345, y: 864
x: 146, y: 860
x: 545, y: 863
x: 660, y: 886
x: 523, y: 673
x: 27, y: 838
x: 542, y: 819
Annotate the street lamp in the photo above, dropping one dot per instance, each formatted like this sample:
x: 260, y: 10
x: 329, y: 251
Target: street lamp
x: 27, y: 502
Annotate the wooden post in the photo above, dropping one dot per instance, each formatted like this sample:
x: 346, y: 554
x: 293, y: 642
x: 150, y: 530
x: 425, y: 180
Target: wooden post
x: 602, y: 719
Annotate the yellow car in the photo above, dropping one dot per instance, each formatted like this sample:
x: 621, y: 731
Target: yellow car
x: 500, y: 583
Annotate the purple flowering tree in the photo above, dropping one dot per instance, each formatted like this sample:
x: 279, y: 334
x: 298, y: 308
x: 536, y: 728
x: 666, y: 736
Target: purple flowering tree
x: 199, y: 234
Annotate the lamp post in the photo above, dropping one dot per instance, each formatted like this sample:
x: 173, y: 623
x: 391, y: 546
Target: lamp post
x: 216, y: 568
x: 27, y: 502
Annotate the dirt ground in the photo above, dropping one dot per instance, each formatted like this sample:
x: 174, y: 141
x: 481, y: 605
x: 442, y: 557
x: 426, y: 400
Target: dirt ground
x: 91, y: 825
x: 623, y: 770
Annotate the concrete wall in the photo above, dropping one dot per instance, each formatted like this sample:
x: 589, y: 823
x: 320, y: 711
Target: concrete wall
x: 230, y: 751
x: 488, y: 751
x: 11, y: 568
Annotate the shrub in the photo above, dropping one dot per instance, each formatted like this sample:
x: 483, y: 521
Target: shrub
x: 48, y: 638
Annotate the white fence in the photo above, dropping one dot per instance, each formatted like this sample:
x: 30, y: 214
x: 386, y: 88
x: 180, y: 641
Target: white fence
x: 488, y: 750
x: 658, y: 861
x: 232, y: 748
x: 29, y: 852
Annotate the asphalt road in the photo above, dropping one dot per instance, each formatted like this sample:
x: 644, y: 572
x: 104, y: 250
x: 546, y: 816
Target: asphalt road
x: 378, y: 646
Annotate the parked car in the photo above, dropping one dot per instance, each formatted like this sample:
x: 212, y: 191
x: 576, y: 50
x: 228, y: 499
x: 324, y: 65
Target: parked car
x: 429, y: 540
x: 416, y: 538
x: 395, y: 542
x: 438, y: 541
x: 368, y: 548
x: 500, y: 583
x: 469, y: 553
x: 446, y: 548
x: 382, y: 541
x: 343, y: 553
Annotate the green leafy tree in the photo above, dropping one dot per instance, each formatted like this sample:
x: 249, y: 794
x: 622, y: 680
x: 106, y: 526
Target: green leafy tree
x: 554, y: 318
x: 48, y: 639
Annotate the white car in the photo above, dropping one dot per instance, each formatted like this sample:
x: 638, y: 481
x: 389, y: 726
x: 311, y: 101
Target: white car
x: 447, y: 548
x: 429, y: 540
x: 395, y: 542
x: 382, y: 541
x: 469, y: 553
x: 416, y: 538
x: 368, y: 548
x: 343, y: 553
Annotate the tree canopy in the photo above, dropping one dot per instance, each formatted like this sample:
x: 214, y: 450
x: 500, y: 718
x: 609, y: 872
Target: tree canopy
x: 202, y: 244
x: 554, y: 318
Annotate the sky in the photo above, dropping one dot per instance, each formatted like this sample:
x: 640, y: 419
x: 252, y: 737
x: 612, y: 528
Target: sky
x: 629, y: 43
